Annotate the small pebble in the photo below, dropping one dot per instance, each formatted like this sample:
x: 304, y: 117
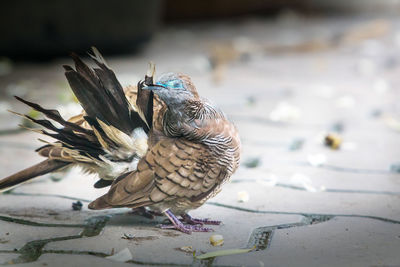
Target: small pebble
x: 216, y: 240
x: 376, y: 113
x: 187, y: 249
x: 395, y: 167
x: 346, y: 101
x: 296, y: 144
x: 252, y: 162
x: 77, y: 205
x: 243, y: 196
x: 338, y: 127
x: 333, y: 140
x: 128, y: 236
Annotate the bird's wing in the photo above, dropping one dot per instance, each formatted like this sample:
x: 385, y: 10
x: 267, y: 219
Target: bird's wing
x: 173, y: 168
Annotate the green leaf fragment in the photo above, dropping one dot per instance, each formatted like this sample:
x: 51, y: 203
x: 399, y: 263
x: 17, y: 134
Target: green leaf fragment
x: 226, y: 252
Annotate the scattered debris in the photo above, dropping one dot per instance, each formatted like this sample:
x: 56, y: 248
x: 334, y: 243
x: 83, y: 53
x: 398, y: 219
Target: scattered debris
x: 122, y: 256
x: 3, y: 241
x: 316, y: 160
x: 376, y: 113
x: 216, y: 240
x: 252, y: 162
x: 77, y: 205
x: 138, y: 239
x: 333, y: 140
x: 345, y: 102
x: 296, y: 144
x: 284, y: 112
x: 392, y: 122
x: 128, y: 236
x: 57, y: 176
x: 186, y: 249
x: 305, y: 182
x: 395, y: 167
x: 338, y: 127
x: 381, y: 86
x: 227, y: 252
x: 271, y: 181
x: 243, y: 196
x: 251, y: 101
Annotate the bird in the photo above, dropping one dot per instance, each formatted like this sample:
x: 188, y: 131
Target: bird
x: 186, y: 149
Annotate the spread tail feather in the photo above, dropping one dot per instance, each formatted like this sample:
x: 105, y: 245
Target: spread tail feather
x: 25, y: 175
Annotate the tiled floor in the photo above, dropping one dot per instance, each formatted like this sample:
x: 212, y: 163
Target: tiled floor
x: 286, y: 83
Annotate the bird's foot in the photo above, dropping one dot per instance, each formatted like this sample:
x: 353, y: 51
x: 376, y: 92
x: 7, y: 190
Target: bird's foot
x: 190, y: 220
x: 142, y: 211
x: 185, y: 228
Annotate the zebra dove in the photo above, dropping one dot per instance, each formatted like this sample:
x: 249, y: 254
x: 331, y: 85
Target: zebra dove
x: 178, y: 147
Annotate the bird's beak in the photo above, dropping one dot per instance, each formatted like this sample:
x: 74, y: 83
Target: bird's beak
x: 152, y: 87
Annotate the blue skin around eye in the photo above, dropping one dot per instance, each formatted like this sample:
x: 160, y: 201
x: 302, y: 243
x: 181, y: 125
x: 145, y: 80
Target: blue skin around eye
x: 175, y: 84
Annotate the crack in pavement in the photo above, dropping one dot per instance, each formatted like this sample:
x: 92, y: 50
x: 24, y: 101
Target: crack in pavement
x: 49, y: 195
x: 32, y: 250
x: 328, y: 190
x: 242, y: 209
x: 260, y: 238
x: 303, y: 213
x: 347, y: 169
x: 32, y: 223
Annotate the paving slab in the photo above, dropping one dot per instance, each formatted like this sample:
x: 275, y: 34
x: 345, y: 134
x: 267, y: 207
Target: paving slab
x: 293, y: 207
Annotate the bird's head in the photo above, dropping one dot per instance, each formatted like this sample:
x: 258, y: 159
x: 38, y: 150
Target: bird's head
x: 173, y: 88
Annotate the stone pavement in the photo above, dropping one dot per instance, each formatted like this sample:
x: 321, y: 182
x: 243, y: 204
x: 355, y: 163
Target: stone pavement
x: 286, y: 83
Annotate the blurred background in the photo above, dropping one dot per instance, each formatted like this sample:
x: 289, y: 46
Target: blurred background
x: 312, y: 85
x: 46, y: 29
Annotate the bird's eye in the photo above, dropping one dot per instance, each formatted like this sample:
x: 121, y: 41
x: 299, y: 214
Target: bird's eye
x: 176, y: 84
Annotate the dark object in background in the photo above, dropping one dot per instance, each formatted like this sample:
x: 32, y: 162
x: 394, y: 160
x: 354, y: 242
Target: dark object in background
x: 77, y: 205
x: 43, y: 29
x: 182, y: 10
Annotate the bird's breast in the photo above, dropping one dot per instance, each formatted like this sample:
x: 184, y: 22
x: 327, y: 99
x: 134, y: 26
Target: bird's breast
x: 225, y: 146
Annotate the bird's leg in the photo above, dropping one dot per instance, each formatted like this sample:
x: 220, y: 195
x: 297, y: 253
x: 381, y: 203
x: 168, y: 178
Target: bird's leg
x: 190, y: 220
x: 142, y: 211
x: 178, y: 225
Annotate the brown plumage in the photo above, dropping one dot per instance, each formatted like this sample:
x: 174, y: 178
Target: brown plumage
x: 167, y: 149
x: 193, y: 150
